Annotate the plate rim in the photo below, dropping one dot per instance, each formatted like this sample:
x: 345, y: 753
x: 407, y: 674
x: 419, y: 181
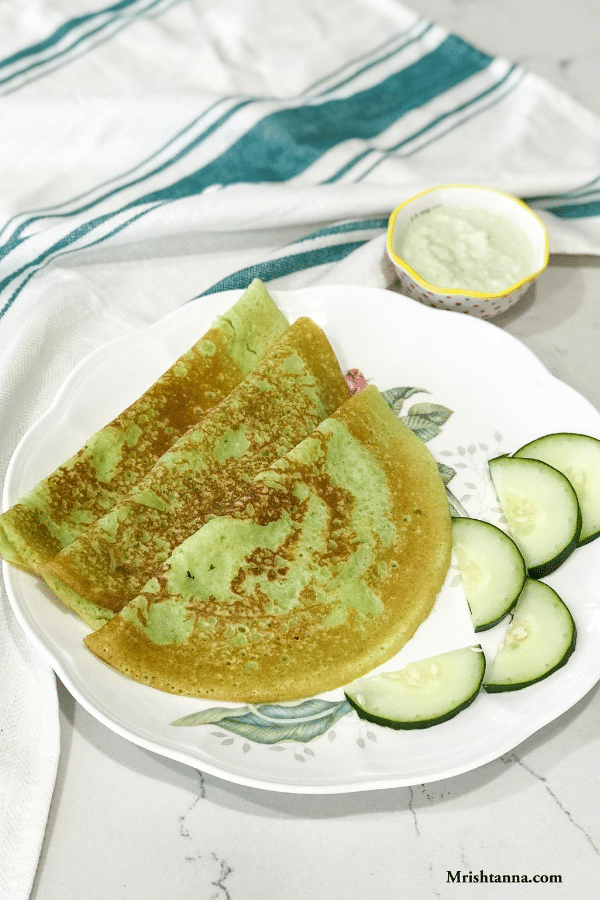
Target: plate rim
x: 223, y: 300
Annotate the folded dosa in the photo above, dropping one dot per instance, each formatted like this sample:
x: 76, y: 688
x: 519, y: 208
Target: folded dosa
x: 114, y: 459
x: 297, y: 384
x: 321, y: 571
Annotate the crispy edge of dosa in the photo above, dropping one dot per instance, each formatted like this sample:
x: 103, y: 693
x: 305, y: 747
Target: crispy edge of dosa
x: 119, y: 641
x: 65, y: 575
x: 254, y: 321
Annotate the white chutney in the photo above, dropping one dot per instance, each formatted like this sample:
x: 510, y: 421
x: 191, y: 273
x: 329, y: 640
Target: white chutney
x: 466, y: 248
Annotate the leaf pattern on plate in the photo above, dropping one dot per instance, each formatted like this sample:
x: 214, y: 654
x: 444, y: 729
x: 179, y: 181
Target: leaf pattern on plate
x: 271, y: 723
x: 309, y: 719
x: 475, y: 491
x: 425, y: 420
x: 396, y: 396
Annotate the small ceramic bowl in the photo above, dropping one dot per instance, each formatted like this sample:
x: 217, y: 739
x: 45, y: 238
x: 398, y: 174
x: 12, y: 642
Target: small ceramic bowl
x: 478, y: 303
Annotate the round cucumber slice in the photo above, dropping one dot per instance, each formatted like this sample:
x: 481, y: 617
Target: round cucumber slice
x: 578, y: 457
x: 541, y: 509
x: 422, y: 694
x: 491, y: 567
x: 539, y: 640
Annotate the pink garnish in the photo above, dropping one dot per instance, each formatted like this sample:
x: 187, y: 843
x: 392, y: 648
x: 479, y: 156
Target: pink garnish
x: 355, y: 380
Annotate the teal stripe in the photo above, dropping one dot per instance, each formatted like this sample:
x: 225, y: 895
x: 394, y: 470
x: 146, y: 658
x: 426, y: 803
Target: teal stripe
x: 582, y: 202
x: 99, y: 23
x: 372, y: 58
x: 345, y: 227
x: 433, y: 124
x: 497, y: 97
x: 351, y: 164
x: 68, y: 27
x: 16, y: 238
x: 81, y: 231
x: 584, y: 190
x: 411, y: 39
x: 56, y: 211
x: 286, y: 265
x: 462, y: 107
x: 570, y: 210
x: 285, y: 143
x: 60, y: 249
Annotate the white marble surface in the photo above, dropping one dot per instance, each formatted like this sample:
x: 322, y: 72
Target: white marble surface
x: 126, y: 824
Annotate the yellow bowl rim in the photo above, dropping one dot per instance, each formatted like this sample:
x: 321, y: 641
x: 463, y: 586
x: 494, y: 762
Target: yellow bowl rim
x: 436, y: 289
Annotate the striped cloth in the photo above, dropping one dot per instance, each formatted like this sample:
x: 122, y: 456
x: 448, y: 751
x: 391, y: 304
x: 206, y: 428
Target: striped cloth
x: 154, y: 151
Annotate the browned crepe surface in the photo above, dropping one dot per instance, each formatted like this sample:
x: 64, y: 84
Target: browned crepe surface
x: 297, y: 385
x: 89, y: 484
x: 319, y: 572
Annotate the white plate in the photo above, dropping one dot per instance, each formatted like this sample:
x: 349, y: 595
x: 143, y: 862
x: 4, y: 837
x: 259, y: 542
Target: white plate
x: 501, y: 397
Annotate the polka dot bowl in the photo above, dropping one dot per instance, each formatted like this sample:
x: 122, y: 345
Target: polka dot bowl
x: 478, y: 303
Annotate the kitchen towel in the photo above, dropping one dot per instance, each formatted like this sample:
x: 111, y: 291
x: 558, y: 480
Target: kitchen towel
x: 154, y: 151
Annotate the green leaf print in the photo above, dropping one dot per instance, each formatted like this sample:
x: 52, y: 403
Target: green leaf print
x: 271, y: 723
x: 306, y: 720
x: 396, y: 396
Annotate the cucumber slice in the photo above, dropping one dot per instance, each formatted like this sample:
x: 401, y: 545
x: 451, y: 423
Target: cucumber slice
x: 539, y: 640
x: 492, y: 570
x: 541, y: 508
x: 578, y: 457
x: 422, y: 694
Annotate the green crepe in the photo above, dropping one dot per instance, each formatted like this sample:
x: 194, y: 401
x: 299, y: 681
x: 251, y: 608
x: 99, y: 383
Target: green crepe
x: 321, y: 570
x: 295, y: 386
x: 86, y: 486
